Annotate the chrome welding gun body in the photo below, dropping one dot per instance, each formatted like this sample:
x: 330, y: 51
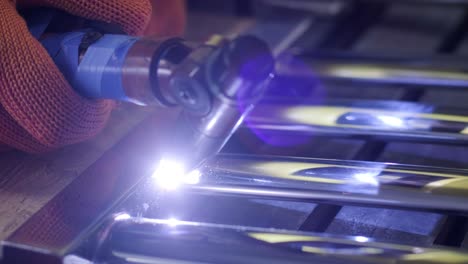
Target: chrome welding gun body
x: 216, y: 83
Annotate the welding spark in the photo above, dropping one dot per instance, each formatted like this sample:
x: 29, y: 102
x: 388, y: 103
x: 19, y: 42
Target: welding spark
x: 171, y: 174
x: 121, y: 217
x: 367, y: 178
x: 173, y: 222
x: 392, y: 121
x: 361, y: 239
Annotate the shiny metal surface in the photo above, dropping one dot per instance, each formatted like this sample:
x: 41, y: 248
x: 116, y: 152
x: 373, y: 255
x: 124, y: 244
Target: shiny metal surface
x: 320, y: 7
x: 138, y: 240
x: 437, y: 71
x: 137, y: 75
x: 336, y: 182
x: 368, y: 119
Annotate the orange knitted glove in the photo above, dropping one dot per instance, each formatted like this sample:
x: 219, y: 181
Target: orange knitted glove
x: 39, y: 110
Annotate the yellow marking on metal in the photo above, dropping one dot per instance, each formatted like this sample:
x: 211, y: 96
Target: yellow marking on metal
x: 436, y: 256
x: 328, y: 115
x: 278, y: 172
x: 315, y: 115
x: 284, y: 238
x: 214, y: 40
x: 441, y: 183
x: 361, y: 250
x: 281, y: 238
x: 426, y: 173
x: 464, y: 131
x: 374, y: 72
x: 351, y: 71
x: 314, y: 250
x: 452, y: 184
x: 285, y: 169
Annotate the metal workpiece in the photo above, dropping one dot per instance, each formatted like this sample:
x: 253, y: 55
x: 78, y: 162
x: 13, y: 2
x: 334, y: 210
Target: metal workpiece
x: 317, y: 8
x: 139, y: 240
x: 398, y: 121
x: 336, y: 182
x: 442, y: 72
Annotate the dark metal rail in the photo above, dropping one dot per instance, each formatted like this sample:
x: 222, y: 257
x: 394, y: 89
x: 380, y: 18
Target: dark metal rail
x: 334, y: 182
x: 365, y: 119
x: 136, y: 240
x: 430, y: 72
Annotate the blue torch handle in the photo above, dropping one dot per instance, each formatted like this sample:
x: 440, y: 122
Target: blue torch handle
x: 98, y: 73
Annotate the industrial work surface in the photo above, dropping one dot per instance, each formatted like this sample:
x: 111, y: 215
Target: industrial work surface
x: 28, y: 182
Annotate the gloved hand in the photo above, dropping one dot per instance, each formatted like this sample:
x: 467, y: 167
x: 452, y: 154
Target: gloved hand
x: 39, y: 110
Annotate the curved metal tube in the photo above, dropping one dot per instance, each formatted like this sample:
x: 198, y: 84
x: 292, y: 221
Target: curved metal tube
x: 369, y: 119
x: 428, y: 72
x: 171, y: 241
x: 336, y: 182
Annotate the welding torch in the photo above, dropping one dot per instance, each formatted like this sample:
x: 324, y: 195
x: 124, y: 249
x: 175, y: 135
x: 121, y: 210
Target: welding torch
x: 215, y: 83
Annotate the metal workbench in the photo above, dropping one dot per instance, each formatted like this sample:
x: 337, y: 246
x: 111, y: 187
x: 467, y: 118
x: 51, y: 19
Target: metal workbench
x: 382, y: 180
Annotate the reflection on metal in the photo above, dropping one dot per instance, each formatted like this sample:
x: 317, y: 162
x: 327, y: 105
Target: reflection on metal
x: 337, y: 182
x: 292, y: 36
x: 433, y: 71
x: 317, y: 7
x: 401, y: 121
x: 376, y: 119
x: 438, y: 2
x: 160, y: 241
